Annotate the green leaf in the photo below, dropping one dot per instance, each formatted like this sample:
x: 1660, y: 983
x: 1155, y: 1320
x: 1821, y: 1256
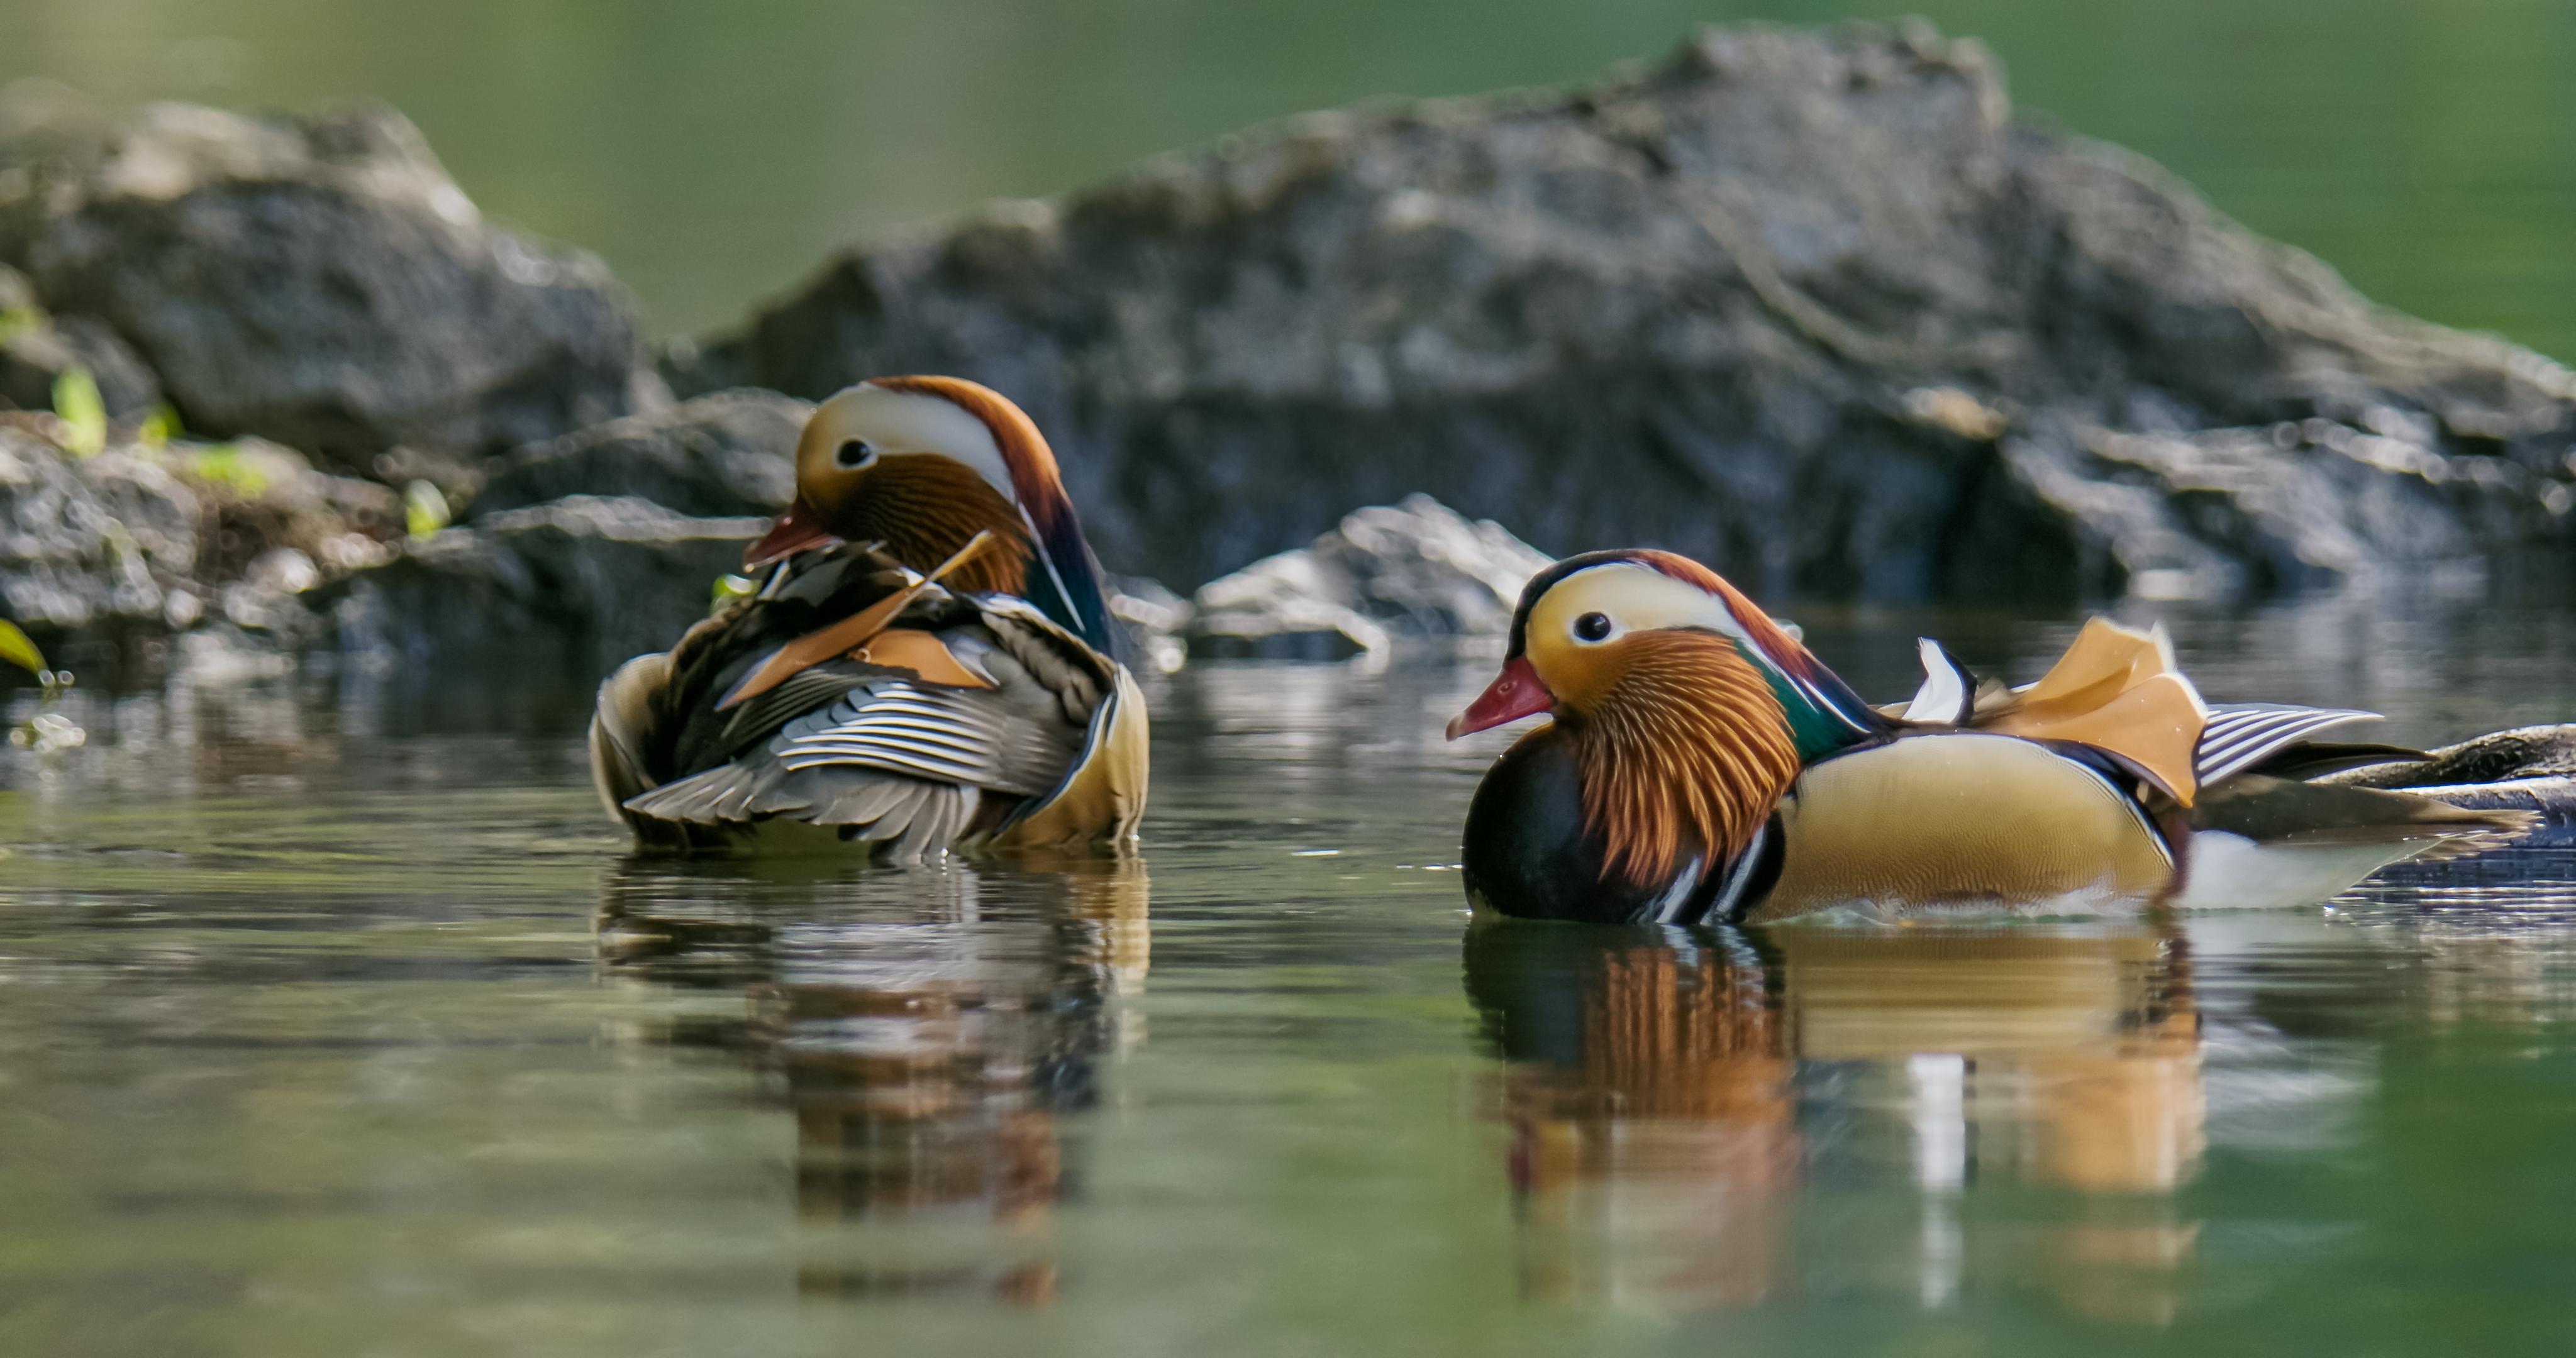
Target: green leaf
x: 159, y: 427
x: 222, y: 464
x: 19, y: 651
x: 84, y: 415
x: 18, y: 320
x: 424, y: 509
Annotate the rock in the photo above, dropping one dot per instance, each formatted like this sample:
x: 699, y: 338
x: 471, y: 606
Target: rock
x: 1816, y: 308
x: 1269, y: 611
x: 139, y: 539
x: 1414, y: 571
x: 262, y: 501
x: 1154, y: 617
x: 585, y: 581
x: 2499, y: 756
x: 283, y: 569
x: 318, y: 281
x: 35, y: 350
x: 727, y: 453
x: 90, y: 542
x: 2528, y: 768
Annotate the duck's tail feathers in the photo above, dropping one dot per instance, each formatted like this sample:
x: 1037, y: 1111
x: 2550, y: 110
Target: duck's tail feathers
x: 617, y: 732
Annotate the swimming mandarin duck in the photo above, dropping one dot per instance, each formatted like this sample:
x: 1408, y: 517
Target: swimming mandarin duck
x: 1703, y: 765
x: 925, y: 665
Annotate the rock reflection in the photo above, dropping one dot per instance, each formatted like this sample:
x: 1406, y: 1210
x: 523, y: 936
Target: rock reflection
x: 1670, y: 1096
x: 929, y: 1032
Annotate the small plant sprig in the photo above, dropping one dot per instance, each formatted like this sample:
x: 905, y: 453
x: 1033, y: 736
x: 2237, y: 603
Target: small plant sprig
x: 83, y: 414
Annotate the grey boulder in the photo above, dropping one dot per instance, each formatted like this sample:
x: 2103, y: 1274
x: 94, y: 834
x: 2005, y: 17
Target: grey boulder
x: 317, y: 281
x: 582, y: 582
x: 91, y: 542
x: 1817, y: 308
x: 726, y: 453
x: 1413, y: 572
x: 36, y: 350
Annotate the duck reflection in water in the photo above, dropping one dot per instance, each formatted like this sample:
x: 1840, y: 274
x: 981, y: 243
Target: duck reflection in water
x: 929, y: 1031
x: 1681, y: 1104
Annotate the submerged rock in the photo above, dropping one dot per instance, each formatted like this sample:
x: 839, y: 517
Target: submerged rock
x: 1816, y: 308
x: 317, y: 281
x: 1413, y: 571
x: 585, y: 581
x: 727, y: 453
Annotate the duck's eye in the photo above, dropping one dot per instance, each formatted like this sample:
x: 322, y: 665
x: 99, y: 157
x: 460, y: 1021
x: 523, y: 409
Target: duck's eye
x: 856, y: 453
x: 1592, y: 626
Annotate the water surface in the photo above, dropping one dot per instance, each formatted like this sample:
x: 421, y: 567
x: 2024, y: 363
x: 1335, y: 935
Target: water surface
x: 333, y: 1020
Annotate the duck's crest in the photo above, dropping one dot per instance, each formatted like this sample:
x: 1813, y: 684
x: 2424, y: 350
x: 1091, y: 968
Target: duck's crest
x: 1823, y: 712
x: 1065, y: 582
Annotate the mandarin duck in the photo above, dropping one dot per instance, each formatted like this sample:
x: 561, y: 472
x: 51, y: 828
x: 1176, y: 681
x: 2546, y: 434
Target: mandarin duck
x: 926, y: 663
x: 1702, y: 765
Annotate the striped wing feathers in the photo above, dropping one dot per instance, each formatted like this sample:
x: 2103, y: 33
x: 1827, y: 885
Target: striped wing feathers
x: 961, y: 735
x: 2242, y: 735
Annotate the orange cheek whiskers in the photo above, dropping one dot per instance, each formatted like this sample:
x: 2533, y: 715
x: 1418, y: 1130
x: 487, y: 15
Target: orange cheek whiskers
x: 1686, y: 747
x: 925, y: 510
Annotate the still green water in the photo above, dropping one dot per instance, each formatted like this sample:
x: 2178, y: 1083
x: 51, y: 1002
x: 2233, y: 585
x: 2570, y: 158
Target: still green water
x: 715, y: 153
x: 333, y: 1021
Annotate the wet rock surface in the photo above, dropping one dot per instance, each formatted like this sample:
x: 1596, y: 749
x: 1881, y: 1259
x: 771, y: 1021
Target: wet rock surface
x: 139, y: 541
x: 2499, y: 756
x: 1413, y: 572
x: 319, y: 282
x: 726, y: 453
x: 2527, y: 768
x: 90, y: 542
x: 1816, y: 308
x: 582, y: 581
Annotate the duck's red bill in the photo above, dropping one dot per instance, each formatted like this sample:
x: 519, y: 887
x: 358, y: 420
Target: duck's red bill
x: 796, y: 530
x: 1514, y: 694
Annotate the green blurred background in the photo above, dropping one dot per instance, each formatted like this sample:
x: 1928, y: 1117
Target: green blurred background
x: 715, y: 152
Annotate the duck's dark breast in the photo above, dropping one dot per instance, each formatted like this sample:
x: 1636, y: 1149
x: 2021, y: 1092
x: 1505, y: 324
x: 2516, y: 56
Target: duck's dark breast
x: 1526, y: 852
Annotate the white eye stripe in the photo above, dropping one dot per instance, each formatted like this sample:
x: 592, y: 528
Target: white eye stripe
x: 1636, y: 599
x: 903, y: 423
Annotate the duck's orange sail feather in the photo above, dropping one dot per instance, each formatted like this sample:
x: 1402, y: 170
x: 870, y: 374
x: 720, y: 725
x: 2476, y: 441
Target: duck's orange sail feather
x: 2116, y: 689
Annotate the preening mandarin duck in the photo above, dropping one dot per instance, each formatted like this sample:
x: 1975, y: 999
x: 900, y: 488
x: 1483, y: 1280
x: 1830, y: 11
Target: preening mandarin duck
x: 1702, y: 765
x: 926, y: 664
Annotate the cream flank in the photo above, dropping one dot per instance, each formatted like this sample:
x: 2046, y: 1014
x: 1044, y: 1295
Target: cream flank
x: 1898, y: 824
